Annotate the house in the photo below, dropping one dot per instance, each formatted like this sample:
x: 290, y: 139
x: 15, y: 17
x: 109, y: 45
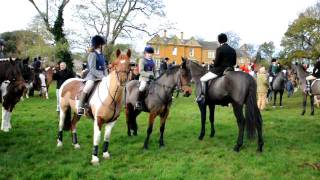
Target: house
x: 174, y: 48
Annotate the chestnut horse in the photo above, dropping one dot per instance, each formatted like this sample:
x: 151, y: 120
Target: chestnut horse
x: 104, y: 104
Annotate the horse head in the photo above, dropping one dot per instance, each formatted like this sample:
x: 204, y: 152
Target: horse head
x: 122, y: 66
x: 185, y: 78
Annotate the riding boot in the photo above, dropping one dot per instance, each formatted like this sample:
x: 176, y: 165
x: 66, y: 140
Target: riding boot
x: 202, y: 95
x: 82, y: 99
x: 308, y: 87
x: 138, y: 105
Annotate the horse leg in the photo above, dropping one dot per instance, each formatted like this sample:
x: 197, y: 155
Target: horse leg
x: 74, y: 122
x: 304, y: 104
x: 5, y: 124
x: 129, y: 112
x: 152, y: 117
x: 275, y: 93
x: 202, y: 107
x: 260, y: 137
x: 134, y: 123
x: 211, y: 117
x: 281, y: 94
x: 163, y: 118
x: 97, y: 124
x: 312, y: 105
x: 237, y: 110
x: 60, y: 129
x: 106, y: 139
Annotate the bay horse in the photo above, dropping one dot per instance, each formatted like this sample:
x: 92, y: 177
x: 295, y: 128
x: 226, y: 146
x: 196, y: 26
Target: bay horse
x: 158, y: 99
x: 278, y: 86
x: 237, y: 88
x: 104, y: 104
x: 12, y: 87
x: 315, y: 87
x: 42, y: 82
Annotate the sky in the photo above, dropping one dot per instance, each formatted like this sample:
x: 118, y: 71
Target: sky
x: 255, y: 21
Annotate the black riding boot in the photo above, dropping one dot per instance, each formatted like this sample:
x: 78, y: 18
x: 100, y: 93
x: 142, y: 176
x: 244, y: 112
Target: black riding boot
x: 202, y: 95
x: 138, y: 105
x: 82, y: 99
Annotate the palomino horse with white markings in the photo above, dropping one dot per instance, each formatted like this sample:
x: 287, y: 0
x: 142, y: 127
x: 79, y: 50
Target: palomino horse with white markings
x: 104, y: 104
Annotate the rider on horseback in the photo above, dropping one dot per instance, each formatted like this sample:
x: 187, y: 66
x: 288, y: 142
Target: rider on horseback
x: 147, y: 72
x: 2, y: 48
x: 274, y: 69
x: 315, y: 75
x: 96, y: 67
x: 226, y: 58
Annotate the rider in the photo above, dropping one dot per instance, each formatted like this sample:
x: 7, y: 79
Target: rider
x: 226, y: 58
x: 147, y: 72
x: 315, y: 75
x: 274, y: 69
x: 96, y: 67
x: 2, y: 48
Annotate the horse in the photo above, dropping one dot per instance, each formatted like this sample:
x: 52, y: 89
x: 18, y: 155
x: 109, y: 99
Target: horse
x: 12, y: 87
x: 315, y: 87
x: 158, y: 99
x: 104, y: 104
x: 42, y: 82
x: 278, y: 86
x: 237, y: 88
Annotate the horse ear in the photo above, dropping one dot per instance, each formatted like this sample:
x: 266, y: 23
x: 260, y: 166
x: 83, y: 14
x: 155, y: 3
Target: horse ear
x: 118, y: 53
x: 129, y: 53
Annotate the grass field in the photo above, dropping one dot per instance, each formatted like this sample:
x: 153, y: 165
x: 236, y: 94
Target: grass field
x: 292, y: 146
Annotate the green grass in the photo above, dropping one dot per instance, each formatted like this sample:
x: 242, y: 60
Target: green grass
x: 292, y: 146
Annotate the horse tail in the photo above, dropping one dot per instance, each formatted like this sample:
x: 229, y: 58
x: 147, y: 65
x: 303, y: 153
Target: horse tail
x: 252, y: 113
x: 67, y: 120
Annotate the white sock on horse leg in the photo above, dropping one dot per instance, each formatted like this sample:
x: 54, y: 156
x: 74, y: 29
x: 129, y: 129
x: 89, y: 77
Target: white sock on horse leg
x: 96, y: 133
x: 9, y: 119
x: 3, y: 119
x: 61, y: 120
x: 107, y: 135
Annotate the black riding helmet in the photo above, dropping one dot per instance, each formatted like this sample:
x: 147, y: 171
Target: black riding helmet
x: 97, y: 41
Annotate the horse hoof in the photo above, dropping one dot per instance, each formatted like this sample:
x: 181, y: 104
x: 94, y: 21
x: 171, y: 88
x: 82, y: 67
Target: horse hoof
x: 106, y: 155
x: 273, y: 107
x: 259, y: 149
x: 312, y: 113
x: 201, y: 137
x: 161, y: 145
x: 302, y: 114
x: 59, y: 144
x: 281, y: 106
x: 135, y: 134
x: 236, y: 148
x: 76, y: 146
x: 145, y: 147
x: 212, y: 135
x: 95, y: 160
x: 5, y: 129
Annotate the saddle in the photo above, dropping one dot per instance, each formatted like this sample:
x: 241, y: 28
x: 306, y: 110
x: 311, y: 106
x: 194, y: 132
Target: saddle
x: 86, y: 106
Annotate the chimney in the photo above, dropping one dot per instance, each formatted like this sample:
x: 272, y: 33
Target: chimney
x: 165, y: 33
x: 181, y: 35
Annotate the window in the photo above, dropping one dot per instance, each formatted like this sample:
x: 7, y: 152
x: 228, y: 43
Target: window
x: 191, y: 52
x: 211, y: 54
x: 157, y: 50
x: 174, y: 51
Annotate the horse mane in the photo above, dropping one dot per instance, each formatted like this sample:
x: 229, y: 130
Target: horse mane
x: 200, y: 69
x: 169, y: 71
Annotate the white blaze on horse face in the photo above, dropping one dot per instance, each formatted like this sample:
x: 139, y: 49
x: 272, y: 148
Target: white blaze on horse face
x: 122, y: 61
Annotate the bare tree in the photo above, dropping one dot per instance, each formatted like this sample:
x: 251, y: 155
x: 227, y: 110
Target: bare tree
x: 54, y: 24
x: 233, y: 39
x: 119, y: 18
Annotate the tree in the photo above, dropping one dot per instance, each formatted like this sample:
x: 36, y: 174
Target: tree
x: 267, y: 49
x: 258, y: 56
x: 56, y: 29
x: 233, y: 39
x: 119, y: 18
x: 248, y: 50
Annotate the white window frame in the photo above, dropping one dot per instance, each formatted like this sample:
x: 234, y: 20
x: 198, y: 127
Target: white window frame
x: 174, y: 51
x: 157, y: 50
x: 191, y: 52
x: 211, y: 54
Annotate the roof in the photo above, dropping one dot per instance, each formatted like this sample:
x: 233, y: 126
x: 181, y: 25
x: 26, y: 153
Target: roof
x: 211, y: 45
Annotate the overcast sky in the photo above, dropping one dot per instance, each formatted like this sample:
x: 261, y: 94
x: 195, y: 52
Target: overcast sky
x: 255, y: 21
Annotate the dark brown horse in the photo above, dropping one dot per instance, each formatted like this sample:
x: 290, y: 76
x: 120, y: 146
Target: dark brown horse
x: 237, y: 88
x: 12, y: 87
x: 158, y: 99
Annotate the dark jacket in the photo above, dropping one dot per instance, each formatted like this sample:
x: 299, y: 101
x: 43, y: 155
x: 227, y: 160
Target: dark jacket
x: 163, y: 66
x: 61, y: 76
x: 226, y: 57
x: 316, y: 70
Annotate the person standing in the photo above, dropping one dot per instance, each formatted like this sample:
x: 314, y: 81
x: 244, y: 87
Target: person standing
x: 147, y: 73
x: 97, y: 69
x: 61, y: 75
x: 226, y: 58
x: 262, y: 88
x: 164, y: 65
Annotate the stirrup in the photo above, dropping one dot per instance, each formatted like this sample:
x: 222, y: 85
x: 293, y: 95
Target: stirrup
x: 200, y: 98
x: 81, y: 111
x: 138, y: 105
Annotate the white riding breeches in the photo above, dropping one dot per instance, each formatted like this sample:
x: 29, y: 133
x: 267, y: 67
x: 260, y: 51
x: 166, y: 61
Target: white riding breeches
x: 208, y: 77
x: 88, y: 86
x: 270, y: 79
x: 143, y: 85
x: 43, y: 80
x: 309, y: 78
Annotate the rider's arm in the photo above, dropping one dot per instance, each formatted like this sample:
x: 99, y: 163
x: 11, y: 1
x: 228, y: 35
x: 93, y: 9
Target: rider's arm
x: 141, y: 68
x: 217, y: 61
x: 92, y: 66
